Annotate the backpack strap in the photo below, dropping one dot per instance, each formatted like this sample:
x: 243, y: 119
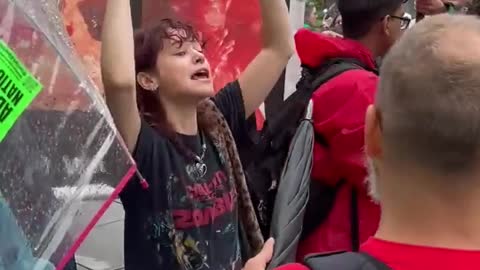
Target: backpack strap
x: 344, y: 261
x: 354, y: 220
x: 321, y: 194
x: 320, y: 202
x: 311, y: 79
x: 333, y: 68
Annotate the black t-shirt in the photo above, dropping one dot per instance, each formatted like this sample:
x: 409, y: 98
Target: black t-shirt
x: 187, y: 218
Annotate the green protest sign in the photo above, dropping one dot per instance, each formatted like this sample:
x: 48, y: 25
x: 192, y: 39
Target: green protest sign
x: 18, y: 88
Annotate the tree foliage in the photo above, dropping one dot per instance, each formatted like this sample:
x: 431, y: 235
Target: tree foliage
x: 319, y: 4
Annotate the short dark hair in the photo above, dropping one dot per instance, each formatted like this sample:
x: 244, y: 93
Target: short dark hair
x: 359, y: 16
x: 148, y: 43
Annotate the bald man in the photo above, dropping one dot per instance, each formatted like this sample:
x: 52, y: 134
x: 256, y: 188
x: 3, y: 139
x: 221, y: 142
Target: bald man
x: 422, y: 139
x: 423, y: 144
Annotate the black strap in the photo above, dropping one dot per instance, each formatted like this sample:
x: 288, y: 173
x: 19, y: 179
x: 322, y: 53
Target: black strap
x: 305, y: 89
x: 374, y: 262
x: 354, y: 222
x: 344, y: 261
x: 320, y: 203
x: 333, y: 68
x: 322, y: 197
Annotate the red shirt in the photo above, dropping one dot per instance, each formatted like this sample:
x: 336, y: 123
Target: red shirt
x: 409, y: 257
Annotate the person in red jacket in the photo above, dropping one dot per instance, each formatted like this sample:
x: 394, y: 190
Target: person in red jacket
x: 422, y: 139
x: 370, y: 29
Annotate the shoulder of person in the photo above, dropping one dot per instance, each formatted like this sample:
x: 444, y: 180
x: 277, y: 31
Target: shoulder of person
x: 149, y: 142
x: 355, y: 78
x: 148, y: 130
x: 353, y: 82
x: 230, y: 86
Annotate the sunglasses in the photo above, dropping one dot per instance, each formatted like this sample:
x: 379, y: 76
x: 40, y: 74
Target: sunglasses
x: 404, y: 21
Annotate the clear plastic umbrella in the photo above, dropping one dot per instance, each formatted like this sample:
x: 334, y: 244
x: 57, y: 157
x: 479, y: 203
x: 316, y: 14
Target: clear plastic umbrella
x: 62, y: 161
x: 293, y: 192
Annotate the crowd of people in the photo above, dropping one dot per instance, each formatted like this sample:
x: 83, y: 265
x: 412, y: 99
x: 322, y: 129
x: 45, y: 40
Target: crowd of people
x: 397, y: 140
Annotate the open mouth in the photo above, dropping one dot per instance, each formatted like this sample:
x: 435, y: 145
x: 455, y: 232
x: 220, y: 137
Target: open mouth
x: 201, y: 74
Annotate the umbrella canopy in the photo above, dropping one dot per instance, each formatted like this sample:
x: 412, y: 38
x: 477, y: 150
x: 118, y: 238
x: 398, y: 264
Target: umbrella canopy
x: 62, y: 167
x: 292, y: 196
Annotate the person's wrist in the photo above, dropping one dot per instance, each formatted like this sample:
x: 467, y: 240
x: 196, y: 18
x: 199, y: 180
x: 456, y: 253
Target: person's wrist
x: 438, y: 10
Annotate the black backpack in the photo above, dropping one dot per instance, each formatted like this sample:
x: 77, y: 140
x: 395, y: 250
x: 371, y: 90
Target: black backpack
x: 344, y: 261
x: 265, y: 157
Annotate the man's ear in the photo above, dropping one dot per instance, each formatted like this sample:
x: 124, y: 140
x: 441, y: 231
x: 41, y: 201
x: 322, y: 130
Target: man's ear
x: 373, y: 133
x: 386, y: 25
x: 147, y: 81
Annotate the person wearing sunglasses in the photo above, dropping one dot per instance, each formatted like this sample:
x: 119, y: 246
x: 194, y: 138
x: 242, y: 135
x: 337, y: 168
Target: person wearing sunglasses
x: 404, y: 21
x: 422, y: 141
x: 341, y: 220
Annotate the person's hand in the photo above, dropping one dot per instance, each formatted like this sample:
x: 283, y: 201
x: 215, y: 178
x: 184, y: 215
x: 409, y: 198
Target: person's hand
x: 260, y: 261
x: 460, y: 3
x: 332, y: 34
x: 430, y: 7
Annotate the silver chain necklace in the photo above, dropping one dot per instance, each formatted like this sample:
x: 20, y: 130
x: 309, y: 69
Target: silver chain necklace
x: 198, y: 169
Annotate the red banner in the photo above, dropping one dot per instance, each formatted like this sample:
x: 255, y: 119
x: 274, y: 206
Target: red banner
x: 230, y: 28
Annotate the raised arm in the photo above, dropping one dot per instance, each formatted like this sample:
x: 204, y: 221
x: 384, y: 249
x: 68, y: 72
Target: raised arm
x: 262, y: 73
x: 118, y: 70
x: 432, y: 7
